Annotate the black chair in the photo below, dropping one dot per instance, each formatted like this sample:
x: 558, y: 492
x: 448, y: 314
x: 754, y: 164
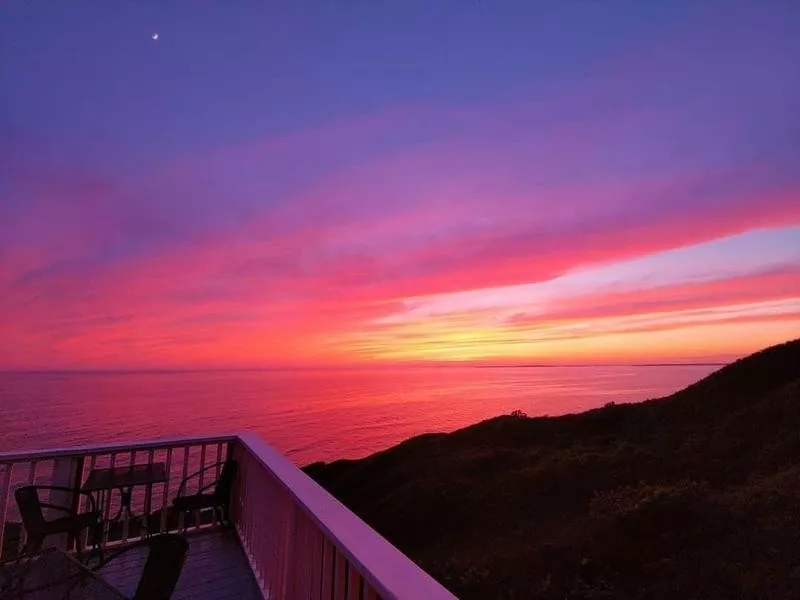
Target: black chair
x: 219, y: 499
x: 73, y: 523
x: 162, y: 569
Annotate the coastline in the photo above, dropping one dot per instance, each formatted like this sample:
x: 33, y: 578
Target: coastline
x: 687, y: 496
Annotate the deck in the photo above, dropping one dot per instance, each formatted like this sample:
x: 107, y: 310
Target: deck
x: 300, y: 541
x: 215, y: 569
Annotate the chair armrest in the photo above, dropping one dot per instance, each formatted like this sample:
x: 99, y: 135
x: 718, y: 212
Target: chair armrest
x: 65, y: 509
x: 182, y: 486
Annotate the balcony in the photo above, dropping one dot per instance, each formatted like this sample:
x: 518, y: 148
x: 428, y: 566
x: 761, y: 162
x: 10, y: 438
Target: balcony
x: 290, y: 538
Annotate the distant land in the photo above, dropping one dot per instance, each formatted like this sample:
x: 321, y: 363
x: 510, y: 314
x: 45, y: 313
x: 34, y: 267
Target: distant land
x: 692, y: 496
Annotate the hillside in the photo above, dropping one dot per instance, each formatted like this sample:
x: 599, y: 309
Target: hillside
x: 696, y: 495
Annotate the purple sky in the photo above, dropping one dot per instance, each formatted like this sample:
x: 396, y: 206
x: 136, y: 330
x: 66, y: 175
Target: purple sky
x: 396, y: 180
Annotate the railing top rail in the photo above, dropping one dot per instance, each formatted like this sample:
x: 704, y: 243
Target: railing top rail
x: 25, y: 455
x: 388, y: 570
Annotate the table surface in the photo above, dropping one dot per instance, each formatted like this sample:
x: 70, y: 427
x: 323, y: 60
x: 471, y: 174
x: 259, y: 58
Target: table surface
x: 125, y: 477
x: 53, y: 575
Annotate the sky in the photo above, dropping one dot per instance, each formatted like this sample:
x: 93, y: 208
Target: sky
x: 257, y: 183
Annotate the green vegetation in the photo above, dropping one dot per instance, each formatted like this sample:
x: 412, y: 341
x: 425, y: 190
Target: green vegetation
x: 696, y: 495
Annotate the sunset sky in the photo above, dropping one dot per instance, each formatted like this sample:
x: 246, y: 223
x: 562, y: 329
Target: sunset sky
x: 338, y: 182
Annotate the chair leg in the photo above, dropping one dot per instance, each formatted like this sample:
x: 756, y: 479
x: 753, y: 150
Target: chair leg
x: 224, y: 514
x: 96, y: 532
x: 94, y: 551
x: 183, y: 521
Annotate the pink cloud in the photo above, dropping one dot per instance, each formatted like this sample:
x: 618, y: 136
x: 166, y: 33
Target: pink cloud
x: 158, y: 269
x: 283, y: 287
x: 782, y: 284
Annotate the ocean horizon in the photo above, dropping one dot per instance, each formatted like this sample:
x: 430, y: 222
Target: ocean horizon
x: 309, y: 414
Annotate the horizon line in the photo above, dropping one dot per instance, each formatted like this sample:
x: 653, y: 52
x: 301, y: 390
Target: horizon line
x: 143, y: 370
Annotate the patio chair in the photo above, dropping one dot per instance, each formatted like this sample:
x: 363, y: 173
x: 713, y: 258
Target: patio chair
x: 37, y: 527
x: 162, y: 569
x: 219, y: 499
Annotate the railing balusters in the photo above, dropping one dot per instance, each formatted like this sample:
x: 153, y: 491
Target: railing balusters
x: 218, y: 470
x: 92, y: 464
x: 245, y: 524
x: 327, y: 569
x: 106, y: 495
x: 268, y: 546
x: 296, y: 562
x: 5, y: 489
x: 353, y: 584
x: 350, y: 562
x: 185, y: 472
x: 32, y: 472
x: 301, y: 543
x: 316, y: 562
x: 370, y: 593
x: 201, y: 479
x: 304, y: 572
x: 147, y: 501
x: 126, y: 513
x: 43, y: 467
x: 282, y: 545
x: 165, y: 496
x: 75, y: 474
x: 258, y: 539
x: 339, y: 575
x: 255, y: 490
x: 30, y: 480
x: 202, y: 464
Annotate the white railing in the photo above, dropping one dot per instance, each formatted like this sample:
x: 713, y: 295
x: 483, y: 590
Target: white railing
x: 301, y: 542
x: 70, y: 467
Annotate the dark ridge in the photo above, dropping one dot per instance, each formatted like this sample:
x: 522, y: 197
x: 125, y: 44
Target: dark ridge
x: 696, y: 495
x: 751, y: 377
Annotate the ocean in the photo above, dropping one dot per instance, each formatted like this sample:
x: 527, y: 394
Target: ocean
x: 309, y: 415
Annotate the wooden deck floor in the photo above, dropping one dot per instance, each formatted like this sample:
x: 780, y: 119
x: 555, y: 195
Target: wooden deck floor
x: 215, y: 569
